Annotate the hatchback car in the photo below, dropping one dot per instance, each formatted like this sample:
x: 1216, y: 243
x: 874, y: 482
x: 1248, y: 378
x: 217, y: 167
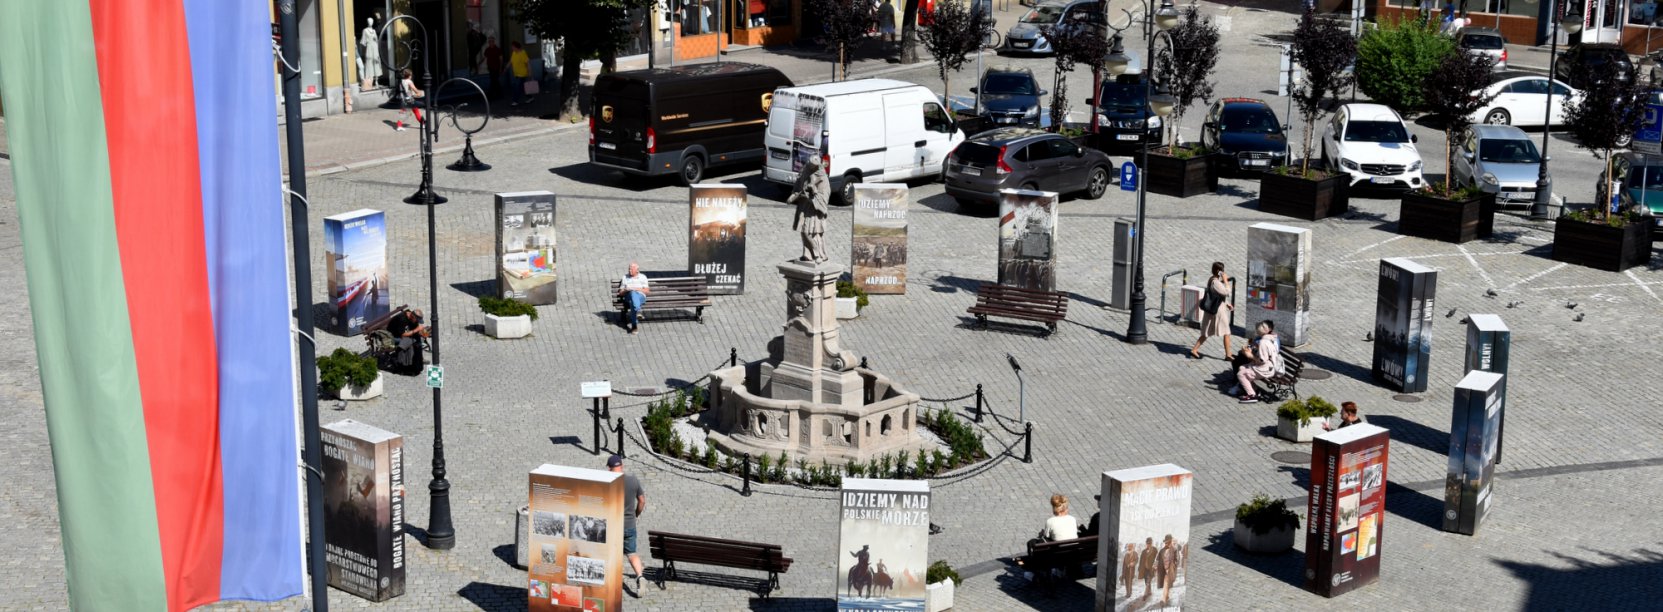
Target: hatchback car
x: 1008, y: 96
x: 1581, y: 64
x: 1028, y: 36
x: 1521, y: 98
x: 1023, y: 158
x: 1247, y: 131
x: 1641, y: 185
x: 1123, y: 114
x: 1371, y: 144
x: 1483, y: 41
x: 1498, y: 159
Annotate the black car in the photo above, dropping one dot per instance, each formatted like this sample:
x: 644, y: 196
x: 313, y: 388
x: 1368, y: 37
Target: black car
x: 683, y: 119
x: 1123, y: 115
x: 1581, y: 65
x: 1009, y: 96
x: 1024, y: 158
x: 1246, y: 130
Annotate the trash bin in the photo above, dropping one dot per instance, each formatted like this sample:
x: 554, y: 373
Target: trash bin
x: 522, y: 527
x: 1190, y: 314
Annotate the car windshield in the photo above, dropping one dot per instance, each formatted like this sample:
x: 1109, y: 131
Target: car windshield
x: 976, y: 153
x: 1508, y: 151
x: 1250, y: 121
x: 1121, y: 94
x: 1375, y: 131
x: 1646, y: 177
x: 1043, y: 14
x: 1009, y: 84
x: 1481, y: 42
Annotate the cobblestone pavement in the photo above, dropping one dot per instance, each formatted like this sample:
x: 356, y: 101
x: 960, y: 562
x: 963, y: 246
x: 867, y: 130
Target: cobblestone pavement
x: 1584, y: 451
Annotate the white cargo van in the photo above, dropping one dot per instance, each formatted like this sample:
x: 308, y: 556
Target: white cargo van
x: 871, y: 130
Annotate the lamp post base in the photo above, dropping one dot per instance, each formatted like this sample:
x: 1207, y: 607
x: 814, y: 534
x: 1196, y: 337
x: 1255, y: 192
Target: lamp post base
x: 469, y: 163
x: 1137, y: 331
x: 425, y: 195
x: 440, y: 534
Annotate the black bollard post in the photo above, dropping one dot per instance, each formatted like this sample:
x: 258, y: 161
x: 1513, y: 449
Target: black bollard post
x: 745, y: 472
x: 863, y: 363
x: 1028, y: 444
x: 621, y: 437
x: 979, y: 402
x: 595, y: 415
x: 733, y: 357
x: 606, y: 407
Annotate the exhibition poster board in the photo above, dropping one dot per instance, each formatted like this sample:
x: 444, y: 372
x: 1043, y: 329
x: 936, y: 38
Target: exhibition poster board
x: 1488, y: 342
x: 1474, y: 428
x: 576, y: 540
x: 363, y: 509
x: 716, y: 244
x: 879, y: 253
x: 1028, y: 239
x: 1403, y: 324
x: 810, y: 122
x: 356, y: 246
x: 1279, y: 280
x: 883, y: 542
x: 1144, y: 548
x: 526, y: 251
x: 1347, y: 509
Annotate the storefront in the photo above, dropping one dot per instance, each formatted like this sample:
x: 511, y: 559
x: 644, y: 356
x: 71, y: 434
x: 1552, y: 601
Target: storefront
x: 703, y: 28
x: 1637, y: 26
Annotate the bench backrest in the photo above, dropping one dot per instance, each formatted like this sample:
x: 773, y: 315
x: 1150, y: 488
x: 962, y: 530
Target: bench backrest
x: 1292, y: 363
x: 380, y: 323
x: 730, y: 553
x: 1026, y: 299
x: 1065, y: 550
x: 676, y: 287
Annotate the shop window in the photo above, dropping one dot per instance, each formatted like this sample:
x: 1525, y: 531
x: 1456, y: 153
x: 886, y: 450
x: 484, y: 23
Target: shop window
x: 779, y: 13
x: 697, y: 17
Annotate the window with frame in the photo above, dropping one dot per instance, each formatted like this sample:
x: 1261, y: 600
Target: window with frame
x: 936, y: 120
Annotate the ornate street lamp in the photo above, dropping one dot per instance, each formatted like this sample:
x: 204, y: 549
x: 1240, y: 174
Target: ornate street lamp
x: 1571, y: 23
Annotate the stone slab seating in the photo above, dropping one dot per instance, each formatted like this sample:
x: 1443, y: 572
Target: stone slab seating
x: 668, y: 293
x: 1287, y: 383
x: 672, y: 547
x: 1064, y: 555
x: 995, y: 300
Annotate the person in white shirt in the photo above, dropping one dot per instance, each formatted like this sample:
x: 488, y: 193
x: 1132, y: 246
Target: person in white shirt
x: 1061, y: 525
x: 634, y: 289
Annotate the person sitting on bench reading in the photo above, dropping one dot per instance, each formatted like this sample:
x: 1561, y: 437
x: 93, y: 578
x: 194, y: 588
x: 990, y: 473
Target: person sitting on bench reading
x: 1264, y: 360
x: 634, y: 289
x: 407, y: 330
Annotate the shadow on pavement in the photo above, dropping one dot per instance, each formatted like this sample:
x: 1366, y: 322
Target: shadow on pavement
x: 794, y: 603
x: 1287, y: 566
x: 1052, y: 595
x: 505, y: 552
x: 1342, y: 368
x: 1415, y: 505
x: 494, y: 596
x: 1587, y: 584
x: 1412, y: 433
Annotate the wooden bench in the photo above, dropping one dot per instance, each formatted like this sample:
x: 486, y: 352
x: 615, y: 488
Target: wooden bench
x: 997, y: 300
x: 672, y: 547
x: 668, y: 293
x: 1065, y: 555
x: 1287, y: 383
x: 381, y: 344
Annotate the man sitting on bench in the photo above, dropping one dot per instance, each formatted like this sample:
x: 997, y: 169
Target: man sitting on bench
x: 407, y: 330
x: 634, y: 289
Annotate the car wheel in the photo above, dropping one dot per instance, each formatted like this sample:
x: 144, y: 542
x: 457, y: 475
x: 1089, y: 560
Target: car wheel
x: 1625, y: 140
x: 1498, y: 116
x: 692, y: 169
x: 1097, y: 183
x: 849, y: 181
x: 1030, y: 186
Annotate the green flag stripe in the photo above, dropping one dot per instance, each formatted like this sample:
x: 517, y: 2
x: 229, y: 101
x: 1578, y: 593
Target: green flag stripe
x: 94, y: 413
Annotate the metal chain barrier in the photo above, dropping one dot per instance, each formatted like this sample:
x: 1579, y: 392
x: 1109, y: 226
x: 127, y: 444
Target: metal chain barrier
x: 948, y: 400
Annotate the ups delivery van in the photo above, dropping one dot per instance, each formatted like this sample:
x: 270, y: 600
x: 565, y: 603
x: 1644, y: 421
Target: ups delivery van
x: 868, y: 130
x: 681, y: 120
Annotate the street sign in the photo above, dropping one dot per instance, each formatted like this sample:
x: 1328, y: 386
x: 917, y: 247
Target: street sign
x: 598, y: 388
x: 1647, y: 138
x: 1128, y: 177
x: 436, y: 376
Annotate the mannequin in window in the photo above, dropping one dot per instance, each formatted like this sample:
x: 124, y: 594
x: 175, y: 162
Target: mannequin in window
x: 369, y: 54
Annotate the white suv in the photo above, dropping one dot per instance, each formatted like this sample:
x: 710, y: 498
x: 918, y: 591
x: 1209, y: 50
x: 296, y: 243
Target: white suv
x: 1370, y: 143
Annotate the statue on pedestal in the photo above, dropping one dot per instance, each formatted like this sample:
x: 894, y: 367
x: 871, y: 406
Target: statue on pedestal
x: 811, y: 194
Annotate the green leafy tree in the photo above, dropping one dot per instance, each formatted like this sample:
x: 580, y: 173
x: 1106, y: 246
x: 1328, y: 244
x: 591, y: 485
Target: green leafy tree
x: 1076, y: 43
x: 590, y: 29
x: 845, y: 24
x: 1186, y: 66
x: 1324, y: 50
x: 1456, y: 90
x: 1606, y: 117
x: 954, y: 32
x: 1395, y: 60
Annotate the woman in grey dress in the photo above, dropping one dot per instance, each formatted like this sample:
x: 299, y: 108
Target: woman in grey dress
x: 1215, y: 322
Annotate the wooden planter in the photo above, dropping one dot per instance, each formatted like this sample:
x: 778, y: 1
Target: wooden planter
x: 1435, y: 218
x: 1601, y: 246
x: 1302, y: 198
x: 1275, y: 541
x: 1181, y: 178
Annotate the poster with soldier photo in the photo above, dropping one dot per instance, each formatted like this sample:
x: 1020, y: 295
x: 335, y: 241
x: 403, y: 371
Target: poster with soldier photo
x: 363, y: 509
x: 1279, y: 280
x: 716, y: 245
x: 578, y: 563
x: 1474, y: 430
x: 1143, y: 550
x: 1028, y: 239
x: 1403, y: 324
x: 879, y: 252
x: 883, y: 547
x: 359, y: 293
x: 1346, y: 510
x: 525, y: 247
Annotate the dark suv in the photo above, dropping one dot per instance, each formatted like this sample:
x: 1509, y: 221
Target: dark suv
x: 1123, y: 115
x: 1008, y: 96
x: 1246, y: 130
x: 1581, y: 66
x: 1023, y: 158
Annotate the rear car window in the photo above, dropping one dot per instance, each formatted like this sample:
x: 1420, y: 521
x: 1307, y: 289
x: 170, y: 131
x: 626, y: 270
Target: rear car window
x: 976, y: 153
x: 1482, y: 41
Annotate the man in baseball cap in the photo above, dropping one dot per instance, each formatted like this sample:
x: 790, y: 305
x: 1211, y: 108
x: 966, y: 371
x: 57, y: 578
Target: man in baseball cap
x: 635, y: 502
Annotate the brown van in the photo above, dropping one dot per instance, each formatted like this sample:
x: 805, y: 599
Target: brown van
x: 682, y: 120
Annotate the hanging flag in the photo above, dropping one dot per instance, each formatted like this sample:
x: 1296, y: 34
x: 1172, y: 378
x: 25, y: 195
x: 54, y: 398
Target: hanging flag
x: 145, y: 159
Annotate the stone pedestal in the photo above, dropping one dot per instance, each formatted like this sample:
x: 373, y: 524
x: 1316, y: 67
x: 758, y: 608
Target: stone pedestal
x: 814, y: 368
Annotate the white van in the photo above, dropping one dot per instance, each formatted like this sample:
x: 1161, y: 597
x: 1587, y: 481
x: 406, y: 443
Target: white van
x: 871, y: 130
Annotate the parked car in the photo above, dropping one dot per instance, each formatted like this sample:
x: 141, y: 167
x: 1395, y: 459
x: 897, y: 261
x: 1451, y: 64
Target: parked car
x: 1522, y: 99
x: 1024, y: 158
x: 1498, y: 159
x: 1483, y: 41
x: 1641, y: 178
x: 1027, y: 36
x: 681, y: 120
x: 877, y: 130
x: 1581, y: 64
x: 1008, y: 96
x: 1245, y: 129
x: 1123, y: 114
x: 1371, y: 144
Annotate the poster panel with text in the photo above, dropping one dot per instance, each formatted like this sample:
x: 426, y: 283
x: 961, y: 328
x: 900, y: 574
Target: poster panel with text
x: 716, y: 245
x: 363, y: 509
x: 805, y: 130
x: 1143, y: 551
x: 1028, y: 239
x: 1475, y: 427
x: 1403, y: 324
x: 883, y: 542
x: 356, y: 245
x: 1279, y: 280
x: 1346, y: 509
x: 576, y: 540
x: 879, y: 252
x: 526, y: 251
x: 1488, y: 343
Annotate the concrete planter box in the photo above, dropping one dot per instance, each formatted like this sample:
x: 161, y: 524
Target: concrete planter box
x: 1292, y: 431
x: 1181, y: 178
x: 1275, y: 541
x: 1601, y: 246
x: 1456, y: 221
x: 938, y: 596
x: 1302, y: 198
x: 357, y: 394
x: 505, y: 328
x: 848, y: 308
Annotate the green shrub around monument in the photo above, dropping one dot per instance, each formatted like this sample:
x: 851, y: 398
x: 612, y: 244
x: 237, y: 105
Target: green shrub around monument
x: 344, y: 367
x: 1306, y: 409
x: 506, y: 307
x: 1263, y: 514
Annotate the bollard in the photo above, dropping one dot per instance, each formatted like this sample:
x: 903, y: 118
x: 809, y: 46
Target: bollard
x: 978, y: 402
x: 596, y: 417
x: 863, y: 363
x: 1028, y: 444
x: 621, y: 437
x: 745, y: 473
x: 733, y: 357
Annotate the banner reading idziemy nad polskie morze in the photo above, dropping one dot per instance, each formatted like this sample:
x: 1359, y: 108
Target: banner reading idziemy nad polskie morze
x: 884, y: 541
x: 716, y: 245
x: 1028, y: 239
x: 525, y: 247
x: 363, y: 509
x: 879, y: 253
x: 1347, y: 509
x: 576, y: 540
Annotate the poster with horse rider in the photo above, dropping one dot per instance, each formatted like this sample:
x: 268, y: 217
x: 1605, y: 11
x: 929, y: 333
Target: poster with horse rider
x: 879, y: 252
x: 883, y: 544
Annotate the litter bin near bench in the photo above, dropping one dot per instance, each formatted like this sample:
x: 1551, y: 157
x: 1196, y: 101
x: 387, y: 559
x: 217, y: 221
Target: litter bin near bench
x: 1190, y: 315
x: 522, y: 526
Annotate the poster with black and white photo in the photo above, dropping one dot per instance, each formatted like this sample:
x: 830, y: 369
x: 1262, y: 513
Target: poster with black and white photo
x: 716, y: 244
x: 1028, y: 239
x: 879, y: 252
x: 883, y: 541
x: 1346, y: 509
x: 526, y: 247
x: 1403, y: 324
x: 1279, y: 280
x: 363, y: 509
x: 1143, y: 550
x: 576, y: 561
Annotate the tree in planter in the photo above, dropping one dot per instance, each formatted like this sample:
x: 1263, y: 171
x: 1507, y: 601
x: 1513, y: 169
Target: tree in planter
x: 1456, y: 90
x: 1605, y: 119
x: 954, y: 32
x: 1324, y: 50
x: 846, y: 23
x: 1186, y: 64
x: 1395, y: 61
x: 1079, y: 43
x: 590, y: 29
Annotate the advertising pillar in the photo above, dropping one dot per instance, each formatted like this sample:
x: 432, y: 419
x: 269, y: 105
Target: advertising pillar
x: 1474, y: 430
x: 1279, y: 280
x: 525, y: 247
x: 1403, y: 324
x: 1347, y: 511
x: 576, y: 540
x: 1143, y: 550
x: 1488, y: 341
x: 1028, y: 239
x: 879, y: 252
x: 883, y: 544
x: 716, y: 244
x: 356, y: 247
x: 363, y: 509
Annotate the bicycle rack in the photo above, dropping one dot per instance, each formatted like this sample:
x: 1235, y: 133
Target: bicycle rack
x: 1184, y: 281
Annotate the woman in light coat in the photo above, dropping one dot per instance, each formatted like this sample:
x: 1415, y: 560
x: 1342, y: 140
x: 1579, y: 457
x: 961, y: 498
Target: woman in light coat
x: 1215, y: 322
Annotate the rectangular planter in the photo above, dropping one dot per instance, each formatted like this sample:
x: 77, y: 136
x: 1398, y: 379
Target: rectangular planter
x: 1181, y: 178
x: 938, y: 596
x: 1601, y: 246
x: 1292, y: 431
x: 504, y: 328
x: 1435, y: 218
x: 1302, y: 198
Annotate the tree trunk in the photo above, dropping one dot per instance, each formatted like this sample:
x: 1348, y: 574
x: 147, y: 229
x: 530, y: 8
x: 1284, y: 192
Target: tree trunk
x: 1305, y: 158
x: 841, y: 64
x: 909, y: 33
x: 1605, y: 207
x: 1449, y: 158
x: 571, y: 104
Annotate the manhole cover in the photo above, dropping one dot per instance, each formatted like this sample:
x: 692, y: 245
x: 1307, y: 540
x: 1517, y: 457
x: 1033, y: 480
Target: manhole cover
x: 1407, y: 399
x: 1315, y: 374
x: 1291, y: 457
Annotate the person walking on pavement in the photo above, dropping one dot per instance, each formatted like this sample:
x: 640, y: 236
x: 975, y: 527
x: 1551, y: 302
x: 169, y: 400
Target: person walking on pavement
x: 635, y: 502
x: 1215, y: 307
x: 519, y: 69
x: 413, y: 98
x: 493, y: 63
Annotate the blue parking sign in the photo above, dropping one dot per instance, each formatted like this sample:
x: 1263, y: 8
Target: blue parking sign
x: 1128, y: 177
x: 1647, y: 138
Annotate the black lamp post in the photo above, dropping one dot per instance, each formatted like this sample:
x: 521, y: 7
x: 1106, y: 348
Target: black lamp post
x: 1137, y: 330
x: 1571, y: 23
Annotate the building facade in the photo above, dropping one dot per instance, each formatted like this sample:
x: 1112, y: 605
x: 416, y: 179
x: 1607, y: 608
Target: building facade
x: 1637, y: 26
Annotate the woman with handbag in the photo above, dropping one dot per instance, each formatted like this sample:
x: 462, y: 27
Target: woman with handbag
x: 1215, y: 318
